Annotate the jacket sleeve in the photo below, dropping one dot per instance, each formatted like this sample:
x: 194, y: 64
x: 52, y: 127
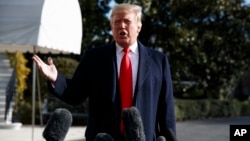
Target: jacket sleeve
x: 166, y: 109
x: 75, y: 90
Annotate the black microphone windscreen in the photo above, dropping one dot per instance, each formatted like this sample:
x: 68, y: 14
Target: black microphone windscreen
x: 171, y: 135
x: 161, y: 138
x: 103, y: 137
x: 133, y: 126
x: 58, y: 125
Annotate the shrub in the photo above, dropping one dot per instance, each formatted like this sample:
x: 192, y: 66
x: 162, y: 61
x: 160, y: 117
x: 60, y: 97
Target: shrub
x: 210, y: 108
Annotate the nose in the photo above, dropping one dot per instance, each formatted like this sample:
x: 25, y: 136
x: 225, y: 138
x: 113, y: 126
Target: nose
x: 122, y: 25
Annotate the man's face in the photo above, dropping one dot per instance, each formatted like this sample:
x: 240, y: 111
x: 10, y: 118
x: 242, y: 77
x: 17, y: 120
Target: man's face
x: 125, y: 28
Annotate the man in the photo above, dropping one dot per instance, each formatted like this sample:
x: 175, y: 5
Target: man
x: 100, y: 78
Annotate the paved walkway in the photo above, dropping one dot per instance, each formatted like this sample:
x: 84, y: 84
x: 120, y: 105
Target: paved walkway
x: 27, y: 133
x: 208, y: 130
x: 201, y: 130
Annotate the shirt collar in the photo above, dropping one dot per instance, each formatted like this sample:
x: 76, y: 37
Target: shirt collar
x: 133, y: 48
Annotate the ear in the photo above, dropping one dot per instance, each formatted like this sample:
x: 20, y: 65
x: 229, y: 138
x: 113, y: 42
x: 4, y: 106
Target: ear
x: 139, y: 28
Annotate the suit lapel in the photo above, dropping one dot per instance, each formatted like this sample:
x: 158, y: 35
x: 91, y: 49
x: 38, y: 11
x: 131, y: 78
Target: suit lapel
x: 143, y: 69
x: 112, y: 55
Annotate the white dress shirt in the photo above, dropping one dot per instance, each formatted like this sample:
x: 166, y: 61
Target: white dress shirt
x: 134, y: 58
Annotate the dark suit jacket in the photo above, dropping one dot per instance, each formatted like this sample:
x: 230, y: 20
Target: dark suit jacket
x: 96, y: 78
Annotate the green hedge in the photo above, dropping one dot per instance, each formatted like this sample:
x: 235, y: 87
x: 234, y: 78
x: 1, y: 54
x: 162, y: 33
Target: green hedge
x: 185, y: 109
x: 203, y: 109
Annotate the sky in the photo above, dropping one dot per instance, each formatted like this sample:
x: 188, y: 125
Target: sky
x: 247, y: 1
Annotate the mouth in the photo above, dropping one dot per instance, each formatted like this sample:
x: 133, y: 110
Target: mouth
x: 123, y: 33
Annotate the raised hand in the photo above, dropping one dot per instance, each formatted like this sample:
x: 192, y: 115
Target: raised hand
x: 49, y: 70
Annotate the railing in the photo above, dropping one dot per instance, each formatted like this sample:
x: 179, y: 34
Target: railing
x: 10, y: 94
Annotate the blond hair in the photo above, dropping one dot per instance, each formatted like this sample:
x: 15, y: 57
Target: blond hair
x: 126, y: 7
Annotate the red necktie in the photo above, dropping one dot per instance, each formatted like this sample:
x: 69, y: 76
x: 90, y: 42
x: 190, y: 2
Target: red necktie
x: 125, y: 80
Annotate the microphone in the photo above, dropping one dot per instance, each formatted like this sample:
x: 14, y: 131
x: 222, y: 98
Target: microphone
x: 161, y: 138
x: 103, y: 137
x: 133, y: 127
x: 58, y: 125
x: 171, y: 135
